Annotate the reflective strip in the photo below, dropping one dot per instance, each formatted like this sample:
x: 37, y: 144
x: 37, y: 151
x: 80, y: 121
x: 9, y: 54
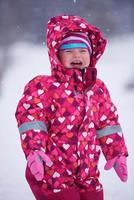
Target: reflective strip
x: 108, y: 130
x: 37, y: 125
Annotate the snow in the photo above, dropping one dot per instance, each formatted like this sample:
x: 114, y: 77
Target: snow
x: 115, y: 68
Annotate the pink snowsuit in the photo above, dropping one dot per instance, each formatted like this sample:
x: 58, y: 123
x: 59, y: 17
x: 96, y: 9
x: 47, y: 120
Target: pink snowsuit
x: 71, y: 116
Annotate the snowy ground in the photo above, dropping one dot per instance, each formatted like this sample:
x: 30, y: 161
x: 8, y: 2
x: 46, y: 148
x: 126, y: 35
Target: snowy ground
x: 115, y: 68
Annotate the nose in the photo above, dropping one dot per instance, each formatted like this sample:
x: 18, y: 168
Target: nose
x: 76, y: 53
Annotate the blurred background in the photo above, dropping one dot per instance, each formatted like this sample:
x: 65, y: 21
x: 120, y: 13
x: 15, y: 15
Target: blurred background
x: 23, y: 55
x: 26, y: 21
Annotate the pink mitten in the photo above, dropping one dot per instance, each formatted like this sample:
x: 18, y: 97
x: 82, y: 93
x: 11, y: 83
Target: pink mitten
x: 35, y: 163
x: 120, y: 166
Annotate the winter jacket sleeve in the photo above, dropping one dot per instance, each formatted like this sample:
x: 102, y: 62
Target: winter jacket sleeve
x: 32, y: 116
x: 109, y: 131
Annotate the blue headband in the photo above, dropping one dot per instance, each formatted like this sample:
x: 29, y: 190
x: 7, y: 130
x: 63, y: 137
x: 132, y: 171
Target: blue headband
x: 73, y: 45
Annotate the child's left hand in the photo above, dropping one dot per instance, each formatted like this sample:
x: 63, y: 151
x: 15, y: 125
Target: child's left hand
x: 120, y: 166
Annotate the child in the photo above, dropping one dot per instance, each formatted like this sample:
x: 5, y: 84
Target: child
x: 66, y: 118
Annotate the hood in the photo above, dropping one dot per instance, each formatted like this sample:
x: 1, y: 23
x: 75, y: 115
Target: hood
x: 59, y: 26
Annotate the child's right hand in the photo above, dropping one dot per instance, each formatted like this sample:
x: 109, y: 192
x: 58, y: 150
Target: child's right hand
x: 35, y: 163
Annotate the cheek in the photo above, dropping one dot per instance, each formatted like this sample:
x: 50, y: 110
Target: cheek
x: 64, y: 60
x: 87, y: 60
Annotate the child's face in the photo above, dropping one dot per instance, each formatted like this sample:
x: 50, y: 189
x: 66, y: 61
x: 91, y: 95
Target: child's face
x: 75, y: 58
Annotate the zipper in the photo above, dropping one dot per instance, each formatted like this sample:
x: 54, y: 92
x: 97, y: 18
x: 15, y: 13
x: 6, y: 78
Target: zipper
x: 75, y: 85
x: 75, y: 80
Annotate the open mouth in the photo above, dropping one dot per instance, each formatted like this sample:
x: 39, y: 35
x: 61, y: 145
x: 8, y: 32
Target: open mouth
x: 76, y: 64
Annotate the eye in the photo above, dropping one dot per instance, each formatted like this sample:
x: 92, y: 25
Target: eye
x: 83, y: 50
x: 68, y: 50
